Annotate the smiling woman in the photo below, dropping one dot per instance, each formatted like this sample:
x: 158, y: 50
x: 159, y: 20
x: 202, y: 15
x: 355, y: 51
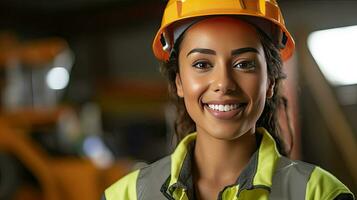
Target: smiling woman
x: 223, y: 61
x: 231, y: 72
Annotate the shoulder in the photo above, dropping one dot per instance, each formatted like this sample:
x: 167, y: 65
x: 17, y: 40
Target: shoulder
x: 133, y: 185
x: 301, y: 178
x: 156, y: 168
x: 124, y: 188
x: 323, y: 185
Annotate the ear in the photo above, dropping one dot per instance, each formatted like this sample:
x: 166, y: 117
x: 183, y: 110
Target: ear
x: 179, y: 85
x: 270, y: 89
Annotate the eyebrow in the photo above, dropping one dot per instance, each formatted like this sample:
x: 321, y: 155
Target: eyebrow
x: 234, y: 52
x: 201, y: 50
x: 244, y: 50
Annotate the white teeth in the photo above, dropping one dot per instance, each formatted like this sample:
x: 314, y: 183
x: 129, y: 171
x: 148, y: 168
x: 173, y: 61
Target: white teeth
x: 223, y: 108
x: 226, y: 108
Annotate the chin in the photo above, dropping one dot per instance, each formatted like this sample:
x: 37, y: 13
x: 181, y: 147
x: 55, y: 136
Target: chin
x: 226, y: 133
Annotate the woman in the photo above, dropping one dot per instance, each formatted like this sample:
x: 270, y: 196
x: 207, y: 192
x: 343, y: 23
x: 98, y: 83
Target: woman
x: 222, y: 60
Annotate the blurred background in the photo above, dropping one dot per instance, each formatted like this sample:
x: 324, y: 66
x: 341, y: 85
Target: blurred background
x: 83, y: 102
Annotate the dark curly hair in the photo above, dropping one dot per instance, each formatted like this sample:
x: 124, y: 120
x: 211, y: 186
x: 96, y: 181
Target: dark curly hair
x: 269, y: 118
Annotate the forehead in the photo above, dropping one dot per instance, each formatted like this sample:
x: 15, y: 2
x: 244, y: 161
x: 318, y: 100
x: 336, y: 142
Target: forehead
x: 224, y: 32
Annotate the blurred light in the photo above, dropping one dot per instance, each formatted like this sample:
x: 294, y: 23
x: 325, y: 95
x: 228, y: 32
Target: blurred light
x: 335, y: 51
x: 57, y: 78
x: 96, y: 150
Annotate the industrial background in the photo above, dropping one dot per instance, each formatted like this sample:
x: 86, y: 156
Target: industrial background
x: 83, y: 101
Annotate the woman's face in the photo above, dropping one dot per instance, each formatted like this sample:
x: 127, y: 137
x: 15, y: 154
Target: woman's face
x: 223, y: 77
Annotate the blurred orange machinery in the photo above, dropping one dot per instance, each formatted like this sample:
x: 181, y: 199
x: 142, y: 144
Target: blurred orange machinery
x: 70, y: 178
x: 59, y: 178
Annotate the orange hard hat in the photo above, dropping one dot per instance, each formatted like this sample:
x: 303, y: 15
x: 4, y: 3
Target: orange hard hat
x: 264, y: 14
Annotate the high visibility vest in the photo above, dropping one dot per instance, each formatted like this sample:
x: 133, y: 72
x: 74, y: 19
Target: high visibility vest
x: 268, y: 175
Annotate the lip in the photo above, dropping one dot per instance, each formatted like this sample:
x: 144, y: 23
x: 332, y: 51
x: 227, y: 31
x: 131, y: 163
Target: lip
x: 227, y: 114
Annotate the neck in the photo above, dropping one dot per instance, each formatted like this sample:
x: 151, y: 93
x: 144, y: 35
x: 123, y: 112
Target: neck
x: 222, y: 161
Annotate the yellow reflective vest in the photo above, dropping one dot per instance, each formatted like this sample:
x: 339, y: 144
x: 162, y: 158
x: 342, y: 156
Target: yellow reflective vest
x: 268, y: 175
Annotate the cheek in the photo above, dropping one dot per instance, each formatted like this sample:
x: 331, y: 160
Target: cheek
x: 193, y: 88
x: 192, y: 83
x: 254, y: 86
x: 255, y: 89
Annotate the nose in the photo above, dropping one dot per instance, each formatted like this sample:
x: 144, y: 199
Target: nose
x: 223, y: 80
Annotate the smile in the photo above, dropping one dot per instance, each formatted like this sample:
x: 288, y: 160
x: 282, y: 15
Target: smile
x: 224, y: 108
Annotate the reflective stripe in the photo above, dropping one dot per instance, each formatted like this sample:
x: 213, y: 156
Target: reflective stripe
x: 290, y: 180
x: 151, y: 178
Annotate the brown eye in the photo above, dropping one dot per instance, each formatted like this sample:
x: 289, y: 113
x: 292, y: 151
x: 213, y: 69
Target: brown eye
x: 202, y: 65
x: 245, y: 65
